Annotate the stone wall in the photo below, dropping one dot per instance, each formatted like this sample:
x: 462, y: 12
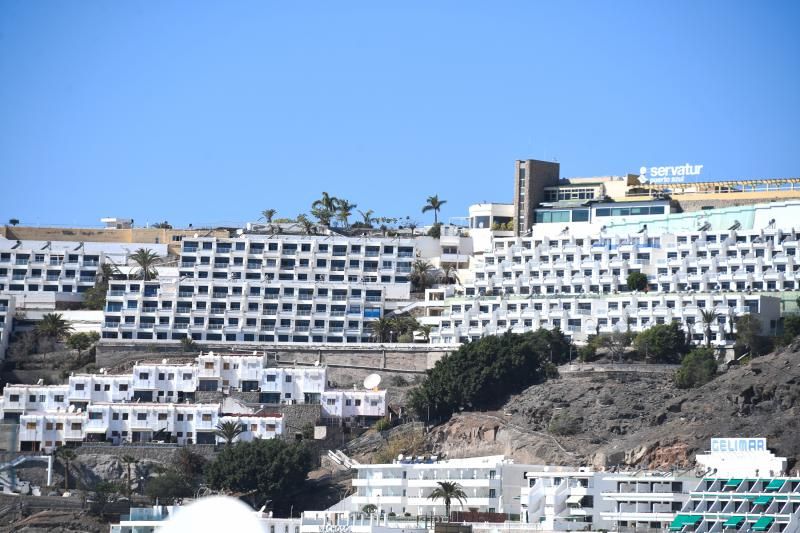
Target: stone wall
x: 146, y: 451
x: 406, y: 358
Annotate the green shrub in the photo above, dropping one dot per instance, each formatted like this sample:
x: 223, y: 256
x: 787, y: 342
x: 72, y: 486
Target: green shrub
x: 662, y: 343
x: 483, y: 373
x: 697, y: 368
x: 636, y: 281
x: 383, y: 424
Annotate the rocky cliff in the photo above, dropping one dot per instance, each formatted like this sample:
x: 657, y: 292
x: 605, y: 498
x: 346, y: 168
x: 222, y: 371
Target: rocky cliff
x: 633, y: 418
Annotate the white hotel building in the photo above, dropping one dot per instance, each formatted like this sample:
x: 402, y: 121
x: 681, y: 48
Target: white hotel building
x: 265, y: 289
x: 579, y: 283
x: 158, y: 402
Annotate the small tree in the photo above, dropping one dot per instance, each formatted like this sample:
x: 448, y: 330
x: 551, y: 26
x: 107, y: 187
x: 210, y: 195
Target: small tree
x: 791, y: 329
x: 79, y: 342
x: 228, y: 431
x: 662, y: 343
x: 697, y: 368
x: 268, y: 215
x: 13, y: 221
x: 370, y: 508
x: 448, y: 491
x: 146, y: 261
x: 168, y: 487
x: 616, y: 343
x: 636, y: 281
x: 188, y: 344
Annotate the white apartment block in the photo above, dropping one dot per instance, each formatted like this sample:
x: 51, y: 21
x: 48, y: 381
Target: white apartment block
x: 266, y: 289
x: 559, y: 498
x: 7, y: 309
x: 491, y: 484
x: 579, y: 284
x: 41, y: 273
x: 157, y: 402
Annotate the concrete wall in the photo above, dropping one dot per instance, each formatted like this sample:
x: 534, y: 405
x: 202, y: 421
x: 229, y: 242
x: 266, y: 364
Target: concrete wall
x: 409, y: 358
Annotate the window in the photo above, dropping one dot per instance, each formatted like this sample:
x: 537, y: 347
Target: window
x: 49, y: 426
x: 95, y: 415
x: 545, y: 217
x: 144, y: 375
x: 162, y: 416
x: 288, y: 379
x: 115, y: 416
x: 79, y: 386
x: 270, y: 378
x: 187, y: 377
x: 123, y: 387
x: 14, y: 398
x: 206, y: 417
x: 76, y: 426
x: 141, y: 416
x: 331, y: 401
x: 30, y: 425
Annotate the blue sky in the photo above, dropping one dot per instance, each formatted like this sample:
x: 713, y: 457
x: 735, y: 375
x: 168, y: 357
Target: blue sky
x: 209, y: 112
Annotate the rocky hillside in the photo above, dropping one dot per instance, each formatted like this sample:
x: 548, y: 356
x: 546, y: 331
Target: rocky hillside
x: 636, y: 419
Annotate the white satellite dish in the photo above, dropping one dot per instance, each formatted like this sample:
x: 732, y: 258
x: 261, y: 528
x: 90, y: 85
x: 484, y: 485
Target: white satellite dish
x: 211, y: 353
x: 163, y: 361
x: 372, y: 381
x: 71, y: 408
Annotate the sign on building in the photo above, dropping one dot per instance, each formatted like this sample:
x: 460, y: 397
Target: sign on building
x: 738, y: 445
x: 668, y: 174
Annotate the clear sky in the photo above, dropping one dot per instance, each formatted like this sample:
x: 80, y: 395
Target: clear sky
x: 209, y: 112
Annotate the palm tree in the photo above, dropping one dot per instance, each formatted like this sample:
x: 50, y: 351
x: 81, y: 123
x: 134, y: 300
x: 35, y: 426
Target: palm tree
x: 228, y: 431
x: 425, y: 329
x: 420, y: 274
x: 434, y: 204
x: 450, y: 275
x: 381, y: 328
x: 268, y: 215
x: 325, y: 208
x: 53, y: 326
x: 308, y: 226
x: 67, y: 456
x: 129, y: 461
x: 708, y: 316
x: 368, y: 220
x: 145, y: 260
x: 344, y: 210
x: 448, y: 491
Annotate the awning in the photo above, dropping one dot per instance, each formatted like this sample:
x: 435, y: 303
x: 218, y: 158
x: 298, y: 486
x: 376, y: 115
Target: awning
x: 762, y: 500
x: 775, y: 484
x: 733, y: 483
x: 684, y: 520
x: 574, y: 499
x: 96, y: 430
x: 734, y: 521
x: 763, y: 523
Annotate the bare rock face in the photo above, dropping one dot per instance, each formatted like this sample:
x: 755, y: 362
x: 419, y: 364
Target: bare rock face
x: 633, y: 419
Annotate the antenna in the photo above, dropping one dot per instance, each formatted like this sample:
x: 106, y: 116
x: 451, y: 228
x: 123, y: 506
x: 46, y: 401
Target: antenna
x: 372, y: 381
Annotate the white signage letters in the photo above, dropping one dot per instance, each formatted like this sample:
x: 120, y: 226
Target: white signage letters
x: 673, y: 174
x: 739, y: 445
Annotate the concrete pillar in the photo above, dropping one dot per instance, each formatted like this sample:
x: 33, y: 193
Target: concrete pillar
x: 383, y: 358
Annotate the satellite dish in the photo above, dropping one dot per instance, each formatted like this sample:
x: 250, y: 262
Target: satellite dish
x: 255, y: 352
x: 71, y: 408
x: 211, y: 353
x: 163, y: 361
x: 316, y: 363
x: 372, y: 381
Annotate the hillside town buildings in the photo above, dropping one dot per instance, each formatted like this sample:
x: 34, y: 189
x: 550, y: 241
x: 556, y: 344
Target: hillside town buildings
x: 162, y: 402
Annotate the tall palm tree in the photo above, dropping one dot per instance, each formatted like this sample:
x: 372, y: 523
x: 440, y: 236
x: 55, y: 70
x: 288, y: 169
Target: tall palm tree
x: 447, y: 491
x: 425, y: 329
x: 368, y: 219
x: 145, y: 260
x: 268, y: 215
x: 344, y: 211
x: 67, y: 456
x: 325, y: 208
x: 434, y: 204
x: 708, y: 316
x: 381, y: 328
x: 228, y: 431
x: 129, y: 461
x: 54, y: 326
